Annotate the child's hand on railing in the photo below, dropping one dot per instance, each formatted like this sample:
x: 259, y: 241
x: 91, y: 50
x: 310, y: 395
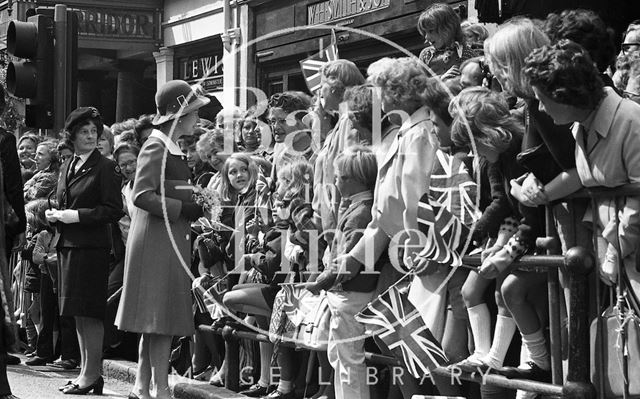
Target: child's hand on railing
x: 489, y: 252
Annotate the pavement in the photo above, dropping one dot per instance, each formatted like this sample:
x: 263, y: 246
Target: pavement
x: 182, y: 387
x: 41, y: 382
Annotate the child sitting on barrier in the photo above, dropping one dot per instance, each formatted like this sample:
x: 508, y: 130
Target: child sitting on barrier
x: 440, y: 26
x: 497, y: 135
x: 356, y: 172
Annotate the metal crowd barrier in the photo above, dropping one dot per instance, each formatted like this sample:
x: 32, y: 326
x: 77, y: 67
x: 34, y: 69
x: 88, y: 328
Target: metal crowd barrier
x: 578, y: 262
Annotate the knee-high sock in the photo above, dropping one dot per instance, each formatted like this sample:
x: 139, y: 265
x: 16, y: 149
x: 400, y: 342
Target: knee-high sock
x: 480, y: 321
x: 505, y: 328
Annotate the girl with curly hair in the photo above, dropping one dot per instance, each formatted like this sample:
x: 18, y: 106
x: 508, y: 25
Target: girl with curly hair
x: 481, y: 119
x: 440, y: 26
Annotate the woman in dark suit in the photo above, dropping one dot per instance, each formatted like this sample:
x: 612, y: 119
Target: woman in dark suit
x: 89, y: 198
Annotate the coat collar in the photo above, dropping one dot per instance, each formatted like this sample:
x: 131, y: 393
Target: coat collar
x: 172, y: 147
x: 91, y: 161
x: 419, y: 115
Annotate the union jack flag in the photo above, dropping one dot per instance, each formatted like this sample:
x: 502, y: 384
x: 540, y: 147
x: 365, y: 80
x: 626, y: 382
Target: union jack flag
x: 453, y: 188
x: 445, y: 234
x: 397, y: 322
x: 312, y: 65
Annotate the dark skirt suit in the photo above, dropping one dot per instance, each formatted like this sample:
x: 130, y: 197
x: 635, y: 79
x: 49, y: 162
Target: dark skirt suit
x: 156, y: 298
x: 83, y: 248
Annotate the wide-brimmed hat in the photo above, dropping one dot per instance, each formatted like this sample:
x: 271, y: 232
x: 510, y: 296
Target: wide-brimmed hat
x: 175, y: 98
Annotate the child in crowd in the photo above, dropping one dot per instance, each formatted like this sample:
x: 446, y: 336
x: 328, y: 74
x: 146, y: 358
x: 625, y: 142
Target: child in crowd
x: 45, y: 257
x: 294, y: 194
x: 187, y: 145
x: 214, y: 147
x: 474, y: 34
x: 440, y: 26
x: 356, y: 172
x: 497, y: 135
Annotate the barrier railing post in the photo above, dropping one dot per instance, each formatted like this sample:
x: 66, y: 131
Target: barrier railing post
x: 579, y: 263
x: 232, y: 358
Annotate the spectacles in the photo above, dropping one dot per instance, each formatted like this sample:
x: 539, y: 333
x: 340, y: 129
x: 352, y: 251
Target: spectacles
x: 128, y: 163
x: 627, y: 47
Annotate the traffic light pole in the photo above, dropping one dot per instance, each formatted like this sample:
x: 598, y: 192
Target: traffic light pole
x: 64, y: 76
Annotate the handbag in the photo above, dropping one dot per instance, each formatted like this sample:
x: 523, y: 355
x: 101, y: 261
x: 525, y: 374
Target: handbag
x: 180, y: 358
x: 280, y: 326
x: 312, y: 327
x: 608, y: 329
x: 615, y: 337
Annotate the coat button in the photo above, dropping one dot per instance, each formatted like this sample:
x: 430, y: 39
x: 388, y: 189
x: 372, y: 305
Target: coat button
x: 188, y: 237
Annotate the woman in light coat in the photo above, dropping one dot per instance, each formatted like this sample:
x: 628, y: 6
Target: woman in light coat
x: 156, y: 298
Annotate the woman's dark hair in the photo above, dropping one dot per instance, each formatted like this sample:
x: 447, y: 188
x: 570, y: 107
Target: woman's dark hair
x: 143, y: 123
x: 438, y: 99
x: 586, y: 28
x: 64, y: 144
x: 125, y: 148
x: 564, y: 72
x: 97, y: 122
x: 291, y: 101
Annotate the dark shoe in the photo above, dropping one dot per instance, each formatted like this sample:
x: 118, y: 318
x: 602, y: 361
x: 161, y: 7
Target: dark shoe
x: 30, y: 353
x: 96, y: 387
x: 533, y: 373
x: 38, y: 361
x: 255, y: 391
x: 133, y: 396
x: 67, y: 364
x: 65, y: 386
x: 279, y: 395
x: 12, y: 360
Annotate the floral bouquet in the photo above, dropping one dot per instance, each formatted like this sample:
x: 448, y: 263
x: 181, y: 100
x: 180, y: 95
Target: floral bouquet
x: 210, y: 200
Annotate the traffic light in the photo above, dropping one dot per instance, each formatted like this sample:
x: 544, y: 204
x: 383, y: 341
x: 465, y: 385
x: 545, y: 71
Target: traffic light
x: 32, y: 78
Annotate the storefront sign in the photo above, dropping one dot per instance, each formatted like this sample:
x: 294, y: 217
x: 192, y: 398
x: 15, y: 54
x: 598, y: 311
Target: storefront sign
x: 329, y: 11
x: 119, y: 24
x: 193, y: 69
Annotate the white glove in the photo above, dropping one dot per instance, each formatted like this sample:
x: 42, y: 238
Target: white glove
x: 65, y: 216
x: 51, y: 215
x: 69, y: 216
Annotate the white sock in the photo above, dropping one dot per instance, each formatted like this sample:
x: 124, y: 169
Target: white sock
x: 525, y: 356
x: 537, y: 347
x: 480, y: 321
x: 285, y: 386
x: 263, y: 382
x: 505, y: 328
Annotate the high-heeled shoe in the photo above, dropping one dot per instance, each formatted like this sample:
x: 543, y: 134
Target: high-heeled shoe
x: 96, y: 387
x: 65, y: 386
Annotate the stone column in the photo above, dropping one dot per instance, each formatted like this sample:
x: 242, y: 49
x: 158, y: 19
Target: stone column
x: 164, y: 65
x: 131, y: 90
